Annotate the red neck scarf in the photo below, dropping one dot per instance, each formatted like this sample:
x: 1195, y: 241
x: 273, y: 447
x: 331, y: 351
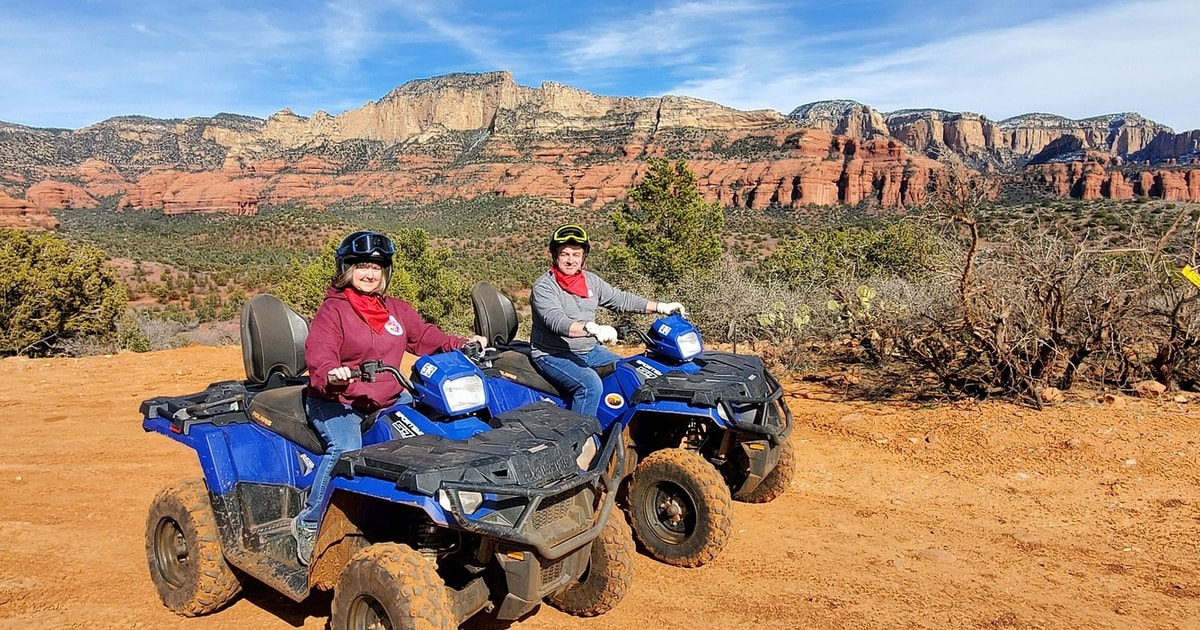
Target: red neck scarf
x: 575, y: 284
x: 369, y: 307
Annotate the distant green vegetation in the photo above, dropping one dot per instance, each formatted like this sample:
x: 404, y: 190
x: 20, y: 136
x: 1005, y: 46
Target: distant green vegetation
x: 966, y: 296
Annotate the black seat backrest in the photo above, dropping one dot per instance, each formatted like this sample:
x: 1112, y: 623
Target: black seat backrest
x: 272, y: 339
x: 495, y: 315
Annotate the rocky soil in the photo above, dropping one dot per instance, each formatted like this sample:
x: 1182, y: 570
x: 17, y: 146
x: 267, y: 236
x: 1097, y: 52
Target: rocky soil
x: 1085, y: 515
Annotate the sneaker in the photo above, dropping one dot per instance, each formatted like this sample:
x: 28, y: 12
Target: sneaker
x: 304, y: 535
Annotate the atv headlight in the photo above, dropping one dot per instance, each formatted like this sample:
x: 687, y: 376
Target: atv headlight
x: 463, y: 394
x: 587, y: 454
x: 689, y: 345
x: 470, y: 501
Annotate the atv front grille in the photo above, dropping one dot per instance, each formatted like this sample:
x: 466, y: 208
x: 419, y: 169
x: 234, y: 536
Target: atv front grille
x: 553, y: 509
x: 551, y: 571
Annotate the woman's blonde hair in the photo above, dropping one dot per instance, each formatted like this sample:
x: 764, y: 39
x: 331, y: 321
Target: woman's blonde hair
x: 342, y: 281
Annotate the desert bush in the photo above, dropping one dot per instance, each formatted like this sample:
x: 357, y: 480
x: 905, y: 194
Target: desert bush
x: 731, y: 306
x: 834, y: 255
x: 53, y: 293
x: 1022, y: 312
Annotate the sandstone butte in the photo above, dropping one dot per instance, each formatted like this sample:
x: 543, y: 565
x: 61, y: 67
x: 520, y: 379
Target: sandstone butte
x: 466, y: 135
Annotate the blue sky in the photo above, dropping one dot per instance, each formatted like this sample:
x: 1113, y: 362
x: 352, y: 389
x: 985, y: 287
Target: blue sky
x: 71, y: 64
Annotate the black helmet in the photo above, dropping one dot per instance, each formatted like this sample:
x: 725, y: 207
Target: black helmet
x: 361, y: 247
x: 569, y: 234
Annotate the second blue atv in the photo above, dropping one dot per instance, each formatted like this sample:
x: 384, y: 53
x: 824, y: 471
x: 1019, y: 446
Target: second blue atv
x: 446, y: 511
x: 702, y: 427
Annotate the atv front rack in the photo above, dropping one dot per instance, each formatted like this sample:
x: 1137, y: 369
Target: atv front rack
x: 738, y: 385
x: 536, y: 495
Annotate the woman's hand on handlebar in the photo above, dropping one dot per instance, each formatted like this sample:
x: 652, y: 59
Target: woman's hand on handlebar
x: 340, y: 374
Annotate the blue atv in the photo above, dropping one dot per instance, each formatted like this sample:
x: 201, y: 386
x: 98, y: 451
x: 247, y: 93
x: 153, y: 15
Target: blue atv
x: 446, y: 511
x: 702, y: 427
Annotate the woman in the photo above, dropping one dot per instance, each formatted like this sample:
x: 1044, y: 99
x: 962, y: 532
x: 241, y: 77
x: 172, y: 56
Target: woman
x: 565, y: 334
x: 356, y: 322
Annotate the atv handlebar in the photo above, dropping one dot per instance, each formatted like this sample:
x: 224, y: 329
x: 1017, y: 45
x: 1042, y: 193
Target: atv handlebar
x: 625, y: 332
x: 368, y: 371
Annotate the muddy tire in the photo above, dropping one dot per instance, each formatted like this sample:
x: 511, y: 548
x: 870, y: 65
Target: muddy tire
x: 607, y: 577
x: 183, y: 550
x: 776, y: 481
x: 390, y: 585
x: 680, y: 507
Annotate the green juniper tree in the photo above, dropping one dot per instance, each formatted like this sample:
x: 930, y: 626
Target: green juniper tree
x: 667, y: 228
x: 52, y: 292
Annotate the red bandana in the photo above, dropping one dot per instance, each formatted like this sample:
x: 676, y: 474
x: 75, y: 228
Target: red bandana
x: 368, y: 307
x: 575, y: 284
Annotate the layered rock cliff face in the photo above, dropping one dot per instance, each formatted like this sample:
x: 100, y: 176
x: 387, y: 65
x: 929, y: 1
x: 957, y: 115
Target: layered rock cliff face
x: 457, y: 136
x: 1013, y: 142
x: 465, y: 135
x: 1084, y: 159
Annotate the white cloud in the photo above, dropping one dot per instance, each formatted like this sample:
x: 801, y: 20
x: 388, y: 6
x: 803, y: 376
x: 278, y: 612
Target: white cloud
x: 672, y: 35
x: 1129, y: 57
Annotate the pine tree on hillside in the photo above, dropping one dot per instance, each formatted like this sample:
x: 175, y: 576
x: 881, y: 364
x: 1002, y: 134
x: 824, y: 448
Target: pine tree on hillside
x: 667, y: 228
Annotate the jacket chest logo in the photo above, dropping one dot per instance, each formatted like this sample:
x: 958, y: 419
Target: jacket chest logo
x: 393, y: 327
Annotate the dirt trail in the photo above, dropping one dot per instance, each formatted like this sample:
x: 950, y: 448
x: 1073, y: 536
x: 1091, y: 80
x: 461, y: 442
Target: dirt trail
x: 967, y: 516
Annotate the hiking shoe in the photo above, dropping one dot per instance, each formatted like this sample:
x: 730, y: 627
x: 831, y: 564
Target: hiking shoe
x: 304, y: 535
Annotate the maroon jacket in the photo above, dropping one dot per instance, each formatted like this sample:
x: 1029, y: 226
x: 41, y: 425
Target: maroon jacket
x: 339, y: 336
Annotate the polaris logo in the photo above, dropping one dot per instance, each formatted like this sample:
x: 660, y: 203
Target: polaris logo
x: 551, y: 467
x: 306, y: 464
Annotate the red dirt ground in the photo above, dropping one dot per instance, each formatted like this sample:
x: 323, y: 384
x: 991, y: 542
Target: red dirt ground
x: 1085, y: 515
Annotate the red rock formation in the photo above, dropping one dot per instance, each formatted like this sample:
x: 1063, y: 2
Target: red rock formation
x: 461, y: 136
x: 52, y: 194
x: 19, y: 213
x: 1118, y: 188
x: 1092, y: 180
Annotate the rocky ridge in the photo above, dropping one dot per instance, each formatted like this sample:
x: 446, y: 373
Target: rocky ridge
x: 466, y: 135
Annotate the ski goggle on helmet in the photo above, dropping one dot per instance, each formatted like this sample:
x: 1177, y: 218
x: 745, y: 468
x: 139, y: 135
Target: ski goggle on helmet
x: 569, y: 234
x: 363, y: 247
x: 366, y: 244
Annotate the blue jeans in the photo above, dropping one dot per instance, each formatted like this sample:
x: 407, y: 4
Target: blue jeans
x: 341, y: 427
x: 576, y: 374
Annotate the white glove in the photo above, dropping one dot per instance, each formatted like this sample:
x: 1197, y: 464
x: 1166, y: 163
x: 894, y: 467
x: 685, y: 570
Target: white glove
x: 602, y: 333
x: 666, y: 308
